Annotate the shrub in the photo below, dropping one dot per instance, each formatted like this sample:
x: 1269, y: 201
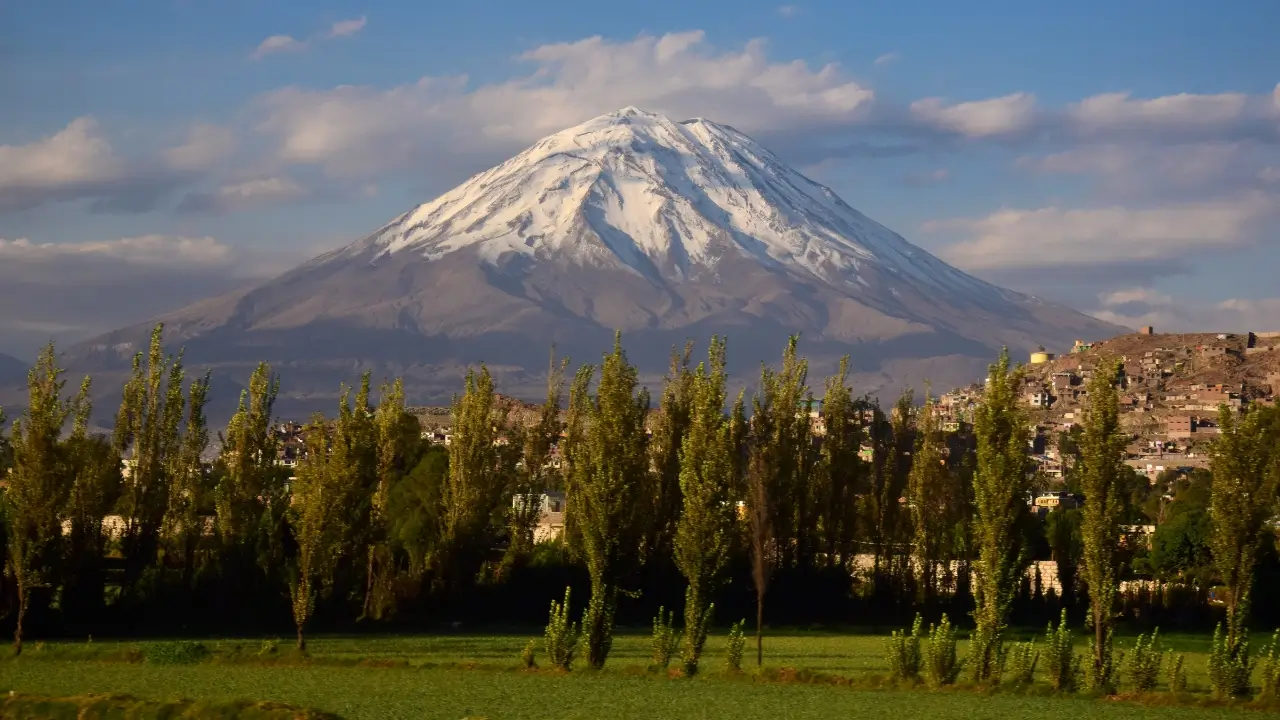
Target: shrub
x: 269, y: 647
x: 562, y: 634
x: 1229, y: 665
x: 183, y: 652
x: 1269, y: 669
x: 737, y: 643
x: 940, y: 664
x: 1061, y: 663
x: 528, y: 656
x: 695, y: 636
x: 1144, y: 662
x: 665, y: 639
x: 903, y: 650
x: 1177, y: 673
x: 1023, y: 658
x: 1103, y: 679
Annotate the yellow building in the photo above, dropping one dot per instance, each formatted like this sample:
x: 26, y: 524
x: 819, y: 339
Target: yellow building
x: 1039, y: 357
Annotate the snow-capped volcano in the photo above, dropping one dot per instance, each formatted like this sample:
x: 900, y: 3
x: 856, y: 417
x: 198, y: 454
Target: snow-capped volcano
x: 636, y: 190
x: 665, y: 230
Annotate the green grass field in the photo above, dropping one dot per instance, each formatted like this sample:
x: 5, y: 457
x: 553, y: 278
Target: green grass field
x: 417, y: 677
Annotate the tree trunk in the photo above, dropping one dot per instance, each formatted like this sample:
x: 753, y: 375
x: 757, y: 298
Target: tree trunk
x: 302, y: 641
x: 22, y: 614
x: 759, y: 628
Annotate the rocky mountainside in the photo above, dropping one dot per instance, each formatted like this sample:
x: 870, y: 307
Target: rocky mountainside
x: 665, y: 230
x: 12, y: 369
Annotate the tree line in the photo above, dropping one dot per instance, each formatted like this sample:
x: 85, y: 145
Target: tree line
x: 692, y: 499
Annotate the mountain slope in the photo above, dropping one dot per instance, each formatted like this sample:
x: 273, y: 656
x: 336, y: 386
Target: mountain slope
x: 630, y: 221
x: 12, y: 369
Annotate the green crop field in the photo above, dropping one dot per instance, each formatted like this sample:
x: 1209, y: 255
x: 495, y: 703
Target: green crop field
x: 419, y: 677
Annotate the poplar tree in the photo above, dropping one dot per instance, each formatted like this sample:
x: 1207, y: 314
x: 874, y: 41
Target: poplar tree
x: 477, y: 481
x: 317, y: 517
x: 245, y: 495
x: 94, y: 467
x: 37, y: 488
x: 670, y: 425
x: 387, y: 418
x: 706, y: 481
x: 1001, y: 486
x: 928, y: 497
x: 146, y: 435
x: 779, y: 440
x: 1242, y: 498
x: 1101, y: 464
x: 608, y: 462
x: 841, y: 467
x: 183, y: 527
x: 538, y: 441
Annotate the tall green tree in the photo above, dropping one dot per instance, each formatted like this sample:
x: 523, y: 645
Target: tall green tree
x: 478, y: 480
x: 183, y: 527
x: 317, y: 518
x: 1242, y: 498
x: 392, y: 452
x: 670, y: 425
x: 147, y: 436
x: 1001, y: 486
x: 250, y: 495
x: 94, y: 468
x: 928, y: 487
x: 779, y: 441
x: 841, y: 469
x: 706, y: 520
x: 608, y: 460
x: 1101, y: 467
x: 38, y: 486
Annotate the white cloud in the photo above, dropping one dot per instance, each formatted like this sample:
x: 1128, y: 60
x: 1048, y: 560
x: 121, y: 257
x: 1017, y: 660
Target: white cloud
x: 887, y: 58
x: 352, y: 129
x: 1137, y: 307
x: 245, y: 194
x: 788, y: 11
x: 1119, y: 111
x: 205, y: 146
x: 145, y: 250
x: 1007, y: 115
x: 1057, y: 237
x: 277, y: 44
x: 72, y: 160
x: 344, y: 28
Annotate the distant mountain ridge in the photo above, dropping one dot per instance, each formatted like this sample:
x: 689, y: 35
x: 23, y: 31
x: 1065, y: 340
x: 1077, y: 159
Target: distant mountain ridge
x: 666, y: 230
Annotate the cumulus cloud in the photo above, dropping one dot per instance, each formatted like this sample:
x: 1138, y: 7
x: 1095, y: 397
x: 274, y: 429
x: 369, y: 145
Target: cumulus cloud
x: 344, y: 28
x: 1181, y: 114
x: 1007, y: 115
x: 243, y: 195
x: 1058, y: 237
x: 277, y: 44
x: 205, y: 146
x: 357, y: 129
x: 145, y: 250
x: 1137, y: 307
x: 73, y: 161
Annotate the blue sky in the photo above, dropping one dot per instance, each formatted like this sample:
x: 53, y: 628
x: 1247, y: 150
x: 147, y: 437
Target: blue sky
x: 1121, y: 157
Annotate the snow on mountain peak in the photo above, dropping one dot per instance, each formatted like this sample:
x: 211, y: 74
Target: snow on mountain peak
x: 637, y: 190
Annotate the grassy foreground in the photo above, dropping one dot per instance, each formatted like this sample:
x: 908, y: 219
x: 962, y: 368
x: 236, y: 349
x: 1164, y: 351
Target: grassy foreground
x: 421, y: 677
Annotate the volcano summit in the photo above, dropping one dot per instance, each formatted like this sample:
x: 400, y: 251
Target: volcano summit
x: 665, y: 230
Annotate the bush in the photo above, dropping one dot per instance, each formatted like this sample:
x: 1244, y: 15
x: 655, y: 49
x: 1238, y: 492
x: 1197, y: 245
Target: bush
x: 183, y: 652
x: 562, y: 634
x: 1229, y: 665
x: 1103, y: 679
x: 665, y: 639
x: 903, y: 650
x: 737, y: 643
x: 1144, y: 662
x: 940, y: 664
x: 1023, y: 658
x: 269, y: 647
x: 1061, y: 662
x: 528, y: 656
x: 1177, y: 673
x: 1269, y: 669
